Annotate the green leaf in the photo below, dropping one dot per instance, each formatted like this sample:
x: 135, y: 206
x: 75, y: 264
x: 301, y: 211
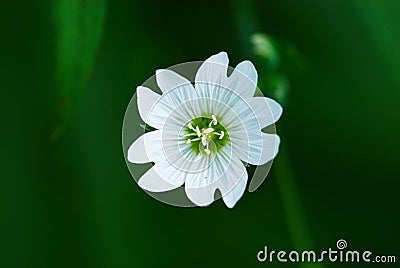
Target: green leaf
x: 79, y: 28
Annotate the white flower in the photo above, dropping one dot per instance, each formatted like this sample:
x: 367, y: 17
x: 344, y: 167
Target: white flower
x: 206, y: 132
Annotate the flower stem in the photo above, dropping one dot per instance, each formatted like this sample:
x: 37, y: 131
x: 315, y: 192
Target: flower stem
x: 293, y: 208
x: 291, y: 200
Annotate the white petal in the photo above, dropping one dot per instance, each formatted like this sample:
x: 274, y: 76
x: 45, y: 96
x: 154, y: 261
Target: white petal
x: 267, y: 110
x: 233, y: 183
x: 167, y: 80
x: 231, y: 197
x: 153, y: 182
x: 147, y: 99
x: 164, y: 176
x: 270, y: 148
x: 154, y: 145
x: 276, y: 109
x: 200, y: 186
x: 202, y: 196
x: 173, y: 164
x: 214, y: 69
x: 259, y: 152
x: 148, y: 148
x: 226, y: 173
x: 243, y: 79
x: 169, y: 106
x: 137, y: 152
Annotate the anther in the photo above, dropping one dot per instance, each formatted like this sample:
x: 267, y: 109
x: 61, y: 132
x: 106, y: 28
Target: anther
x: 189, y: 125
x: 213, y: 121
x: 221, y: 136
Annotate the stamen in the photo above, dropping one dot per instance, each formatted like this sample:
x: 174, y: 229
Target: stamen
x: 189, y: 125
x: 221, y: 136
x: 189, y: 140
x: 198, y: 131
x: 207, y: 151
x: 190, y: 134
x: 213, y: 121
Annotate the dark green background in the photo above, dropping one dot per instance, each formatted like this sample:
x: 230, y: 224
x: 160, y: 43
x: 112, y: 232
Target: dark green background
x: 73, y: 203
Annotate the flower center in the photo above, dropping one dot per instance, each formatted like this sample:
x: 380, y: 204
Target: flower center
x: 206, y: 135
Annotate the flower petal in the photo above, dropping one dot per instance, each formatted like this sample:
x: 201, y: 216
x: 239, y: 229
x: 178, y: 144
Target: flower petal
x: 137, y: 152
x: 152, y: 114
x: 147, y: 148
x: 258, y: 152
x: 214, y: 69
x: 165, y: 176
x: 153, y: 182
x: 167, y: 80
x: 243, y: 79
x: 225, y: 173
x: 173, y: 165
x: 233, y: 195
x: 266, y: 110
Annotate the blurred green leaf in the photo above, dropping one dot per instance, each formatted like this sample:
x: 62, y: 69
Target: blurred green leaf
x: 79, y: 28
x: 278, y: 62
x: 265, y: 47
x: 377, y: 20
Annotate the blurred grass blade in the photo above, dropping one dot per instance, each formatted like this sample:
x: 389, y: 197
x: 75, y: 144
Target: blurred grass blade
x: 379, y: 21
x: 79, y: 28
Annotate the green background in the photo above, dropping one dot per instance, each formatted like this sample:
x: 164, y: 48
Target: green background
x: 71, y: 202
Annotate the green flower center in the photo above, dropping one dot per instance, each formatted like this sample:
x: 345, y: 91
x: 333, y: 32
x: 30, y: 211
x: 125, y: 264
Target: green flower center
x: 206, y: 135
